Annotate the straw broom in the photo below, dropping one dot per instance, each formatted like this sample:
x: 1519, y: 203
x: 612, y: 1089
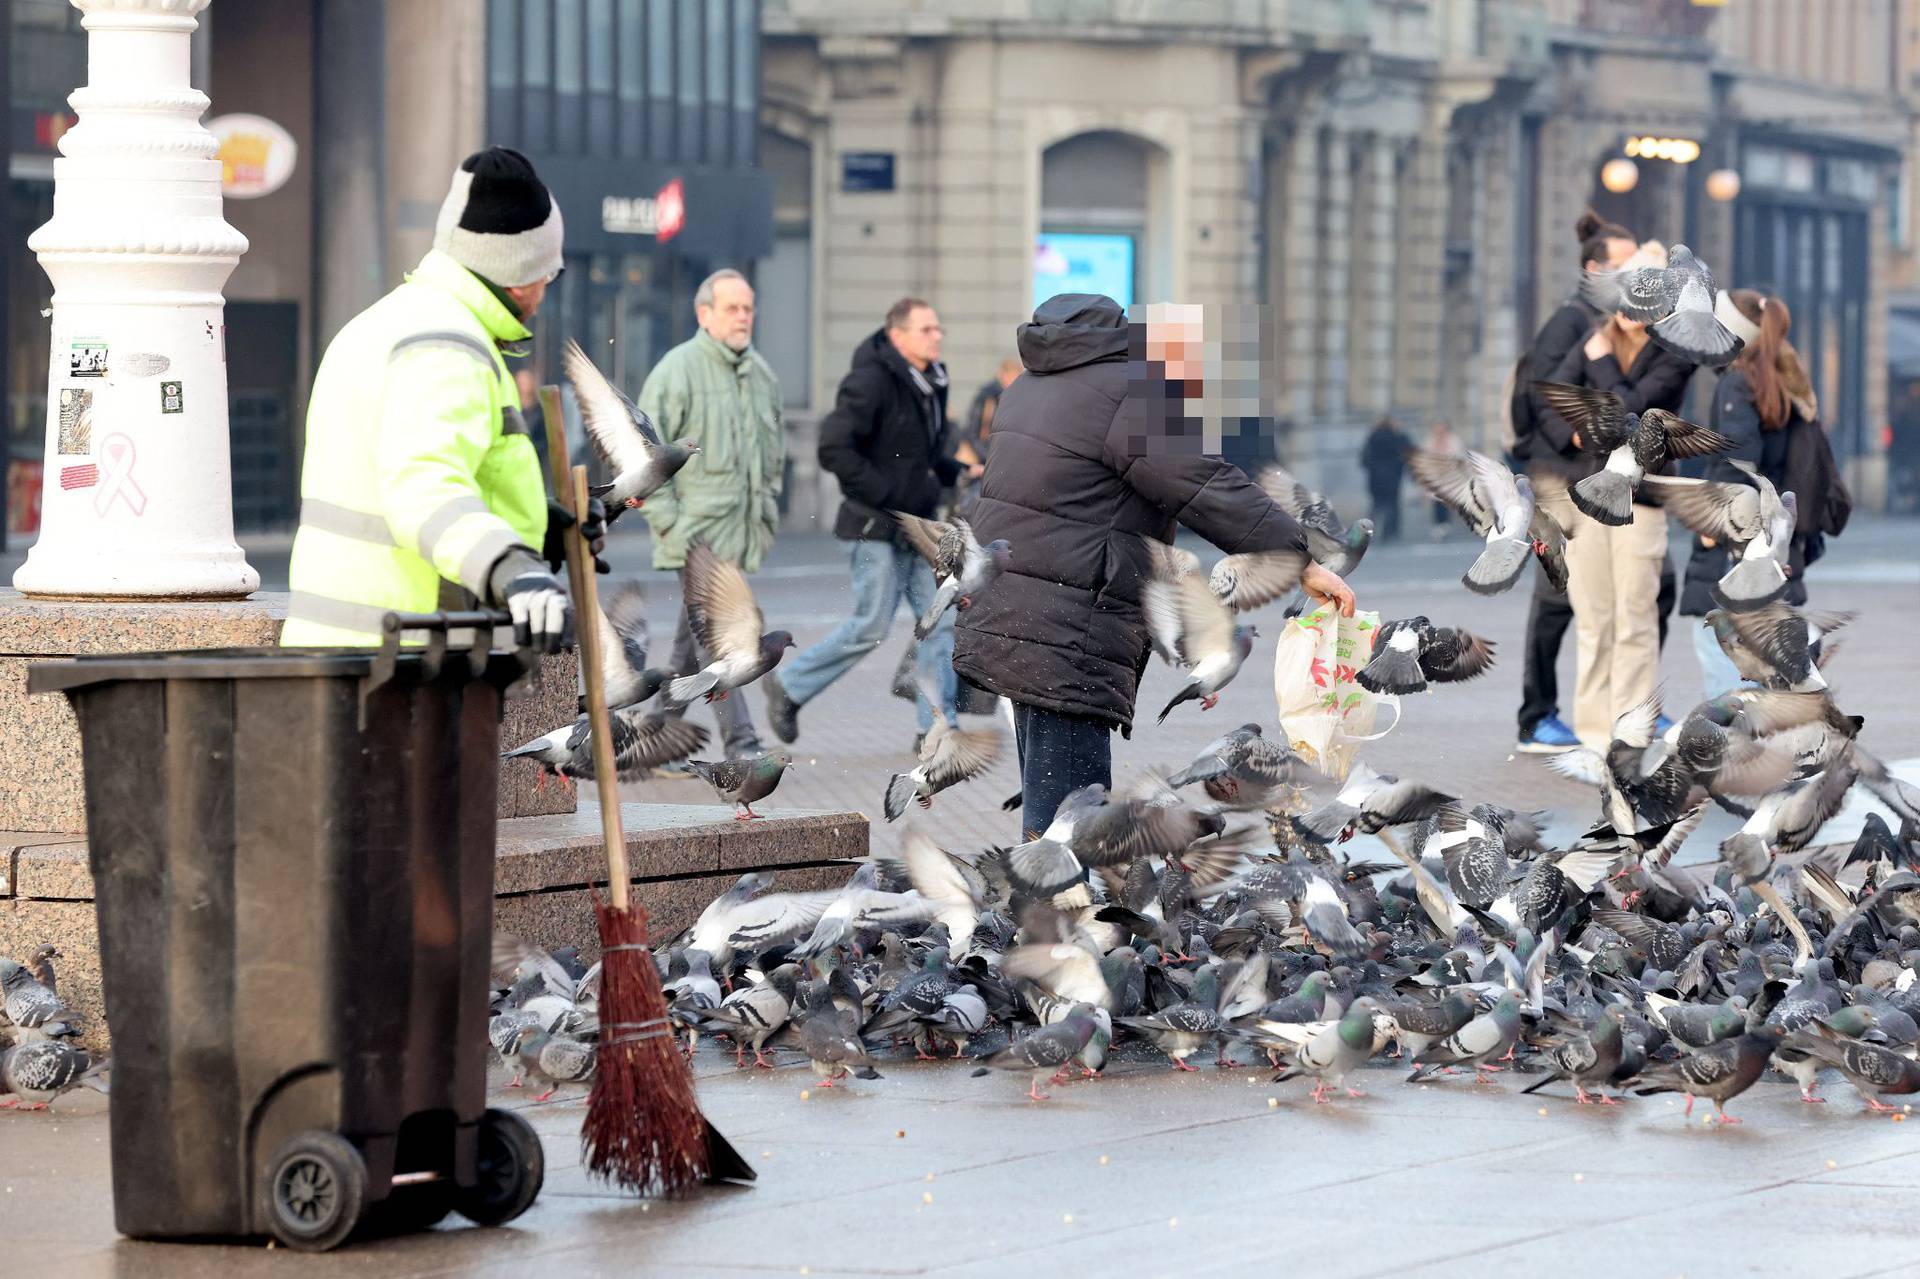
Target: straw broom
x: 644, y: 1131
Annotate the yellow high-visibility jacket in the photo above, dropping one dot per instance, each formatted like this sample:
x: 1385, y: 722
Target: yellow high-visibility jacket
x: 418, y: 466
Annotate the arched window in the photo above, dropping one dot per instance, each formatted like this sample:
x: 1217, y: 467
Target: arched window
x: 1101, y: 218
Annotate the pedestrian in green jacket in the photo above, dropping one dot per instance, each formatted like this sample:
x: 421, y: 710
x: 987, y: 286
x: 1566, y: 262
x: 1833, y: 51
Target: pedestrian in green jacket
x: 717, y: 391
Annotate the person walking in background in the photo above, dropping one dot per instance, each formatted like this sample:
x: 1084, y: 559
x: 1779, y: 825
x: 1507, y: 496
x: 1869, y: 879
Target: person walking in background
x: 883, y: 440
x: 1384, y: 458
x: 1613, y: 573
x: 1766, y: 405
x: 716, y: 390
x: 1604, y: 246
x: 1084, y: 472
x: 1441, y: 439
x: 976, y: 437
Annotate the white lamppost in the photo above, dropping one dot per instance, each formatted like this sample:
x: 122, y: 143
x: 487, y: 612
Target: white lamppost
x: 138, y: 498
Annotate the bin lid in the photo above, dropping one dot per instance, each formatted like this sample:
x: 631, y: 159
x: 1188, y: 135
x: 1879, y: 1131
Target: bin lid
x: 67, y: 674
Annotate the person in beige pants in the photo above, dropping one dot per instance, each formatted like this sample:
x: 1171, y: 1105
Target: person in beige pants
x: 1613, y: 574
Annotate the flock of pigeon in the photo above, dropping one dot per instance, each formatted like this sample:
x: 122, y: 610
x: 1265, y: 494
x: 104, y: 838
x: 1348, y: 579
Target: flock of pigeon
x: 39, y: 1059
x: 1212, y: 909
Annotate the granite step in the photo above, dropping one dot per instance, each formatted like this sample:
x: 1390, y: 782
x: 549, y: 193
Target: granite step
x: 681, y: 857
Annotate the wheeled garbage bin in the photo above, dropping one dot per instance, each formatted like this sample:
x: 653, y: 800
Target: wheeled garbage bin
x: 292, y: 854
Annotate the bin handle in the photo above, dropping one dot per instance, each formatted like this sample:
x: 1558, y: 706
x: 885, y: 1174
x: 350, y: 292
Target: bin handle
x: 481, y: 622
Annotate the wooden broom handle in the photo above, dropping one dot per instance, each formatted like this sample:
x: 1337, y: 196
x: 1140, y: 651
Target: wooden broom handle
x: 570, y: 489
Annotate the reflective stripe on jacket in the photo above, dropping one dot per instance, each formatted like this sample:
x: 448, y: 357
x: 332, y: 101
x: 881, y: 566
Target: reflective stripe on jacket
x: 418, y: 467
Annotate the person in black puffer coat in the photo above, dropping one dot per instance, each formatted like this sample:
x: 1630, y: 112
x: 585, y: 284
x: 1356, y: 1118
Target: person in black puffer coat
x: 1091, y: 458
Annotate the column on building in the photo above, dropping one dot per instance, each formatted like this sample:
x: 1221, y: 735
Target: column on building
x: 1498, y: 343
x: 1334, y: 246
x: 1420, y: 232
x: 1298, y: 313
x: 1376, y: 264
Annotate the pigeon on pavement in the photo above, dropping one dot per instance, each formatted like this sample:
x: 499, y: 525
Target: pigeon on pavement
x: 623, y: 436
x: 1586, y: 1059
x: 1719, y: 1072
x: 554, y: 1059
x: 1334, y: 1051
x: 34, y: 1010
x: 1048, y: 1050
x: 1478, y: 1044
x: 36, y: 1072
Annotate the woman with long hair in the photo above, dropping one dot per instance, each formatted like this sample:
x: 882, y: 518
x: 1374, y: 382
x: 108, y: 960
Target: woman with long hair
x: 1604, y: 246
x: 1765, y: 404
x: 1613, y: 573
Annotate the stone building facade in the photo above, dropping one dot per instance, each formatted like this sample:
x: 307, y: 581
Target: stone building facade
x: 1396, y: 180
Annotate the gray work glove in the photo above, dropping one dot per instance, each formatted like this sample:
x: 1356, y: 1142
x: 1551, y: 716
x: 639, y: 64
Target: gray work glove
x: 542, y: 613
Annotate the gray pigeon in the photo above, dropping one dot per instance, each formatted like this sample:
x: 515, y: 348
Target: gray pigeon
x: 962, y: 568
x: 553, y: 1059
x: 754, y: 1014
x: 1048, y: 1051
x: 1635, y: 444
x: 1499, y: 506
x: 641, y: 741
x: 1192, y: 627
x: 623, y: 436
x: 37, y: 1012
x: 949, y: 755
x: 1753, y: 521
x: 1777, y: 645
x: 623, y: 646
x: 1675, y: 302
x: 1586, y: 1059
x: 1719, y: 1072
x: 37, y: 1072
x: 743, y: 782
x: 1478, y: 1044
x: 1246, y: 770
x: 1335, y: 1051
x: 731, y: 630
x: 1334, y: 546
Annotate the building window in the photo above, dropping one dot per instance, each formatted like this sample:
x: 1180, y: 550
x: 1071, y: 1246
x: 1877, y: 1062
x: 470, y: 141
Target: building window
x: 1094, y: 197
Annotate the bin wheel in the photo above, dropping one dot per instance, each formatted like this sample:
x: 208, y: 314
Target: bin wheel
x: 316, y: 1185
x: 509, y: 1168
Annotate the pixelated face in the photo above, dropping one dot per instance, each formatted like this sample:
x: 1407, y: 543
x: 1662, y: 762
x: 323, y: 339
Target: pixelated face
x: 1176, y: 337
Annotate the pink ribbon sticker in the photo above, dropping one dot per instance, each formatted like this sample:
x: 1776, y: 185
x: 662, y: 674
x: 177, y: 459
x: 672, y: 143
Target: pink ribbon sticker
x: 116, y: 477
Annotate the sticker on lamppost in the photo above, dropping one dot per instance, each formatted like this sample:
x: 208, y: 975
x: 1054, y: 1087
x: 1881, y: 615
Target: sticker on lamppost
x: 116, y: 477
x: 76, y: 421
x: 87, y: 357
x: 171, y: 401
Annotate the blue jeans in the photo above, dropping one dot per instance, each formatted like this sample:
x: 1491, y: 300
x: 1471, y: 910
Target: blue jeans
x: 883, y: 575
x: 1718, y: 674
x: 1058, y: 755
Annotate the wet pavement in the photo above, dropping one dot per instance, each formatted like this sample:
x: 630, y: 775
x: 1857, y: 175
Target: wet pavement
x: 1142, y: 1173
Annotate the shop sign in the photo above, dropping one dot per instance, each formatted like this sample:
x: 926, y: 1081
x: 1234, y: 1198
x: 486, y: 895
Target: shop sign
x: 662, y: 215
x: 256, y: 155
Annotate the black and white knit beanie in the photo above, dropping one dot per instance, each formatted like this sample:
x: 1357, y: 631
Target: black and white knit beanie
x: 499, y: 221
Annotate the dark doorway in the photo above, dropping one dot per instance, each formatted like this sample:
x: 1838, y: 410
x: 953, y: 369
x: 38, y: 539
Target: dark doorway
x: 262, y: 359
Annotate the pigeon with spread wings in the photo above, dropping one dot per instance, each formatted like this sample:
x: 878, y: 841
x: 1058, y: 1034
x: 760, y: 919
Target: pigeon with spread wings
x: 962, y: 568
x: 623, y: 436
x: 731, y: 630
x: 1499, y: 506
x: 1636, y: 445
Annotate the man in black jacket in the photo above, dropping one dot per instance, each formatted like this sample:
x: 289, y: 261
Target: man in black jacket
x: 882, y: 441
x: 1092, y: 458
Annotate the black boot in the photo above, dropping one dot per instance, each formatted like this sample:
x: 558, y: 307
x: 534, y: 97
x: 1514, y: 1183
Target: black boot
x: 783, y: 713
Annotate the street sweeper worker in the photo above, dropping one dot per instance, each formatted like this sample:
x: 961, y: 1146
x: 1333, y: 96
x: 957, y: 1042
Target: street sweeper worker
x: 421, y: 489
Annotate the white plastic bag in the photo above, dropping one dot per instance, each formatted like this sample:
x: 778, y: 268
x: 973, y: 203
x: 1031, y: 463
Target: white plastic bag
x: 1323, y: 711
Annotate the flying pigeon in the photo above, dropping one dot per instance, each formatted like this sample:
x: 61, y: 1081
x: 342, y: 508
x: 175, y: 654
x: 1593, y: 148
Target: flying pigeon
x: 1244, y: 769
x: 1675, y: 302
x: 1334, y: 546
x: 1635, y: 444
x: 623, y: 436
x: 1410, y: 652
x: 949, y: 755
x: 1777, y: 644
x: 729, y: 626
x: 1499, y: 506
x: 641, y: 741
x: 623, y: 647
x: 1754, y: 521
x: 962, y: 568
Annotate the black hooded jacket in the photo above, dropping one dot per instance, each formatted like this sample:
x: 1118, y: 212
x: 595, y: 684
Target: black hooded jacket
x: 883, y: 439
x: 1086, y: 466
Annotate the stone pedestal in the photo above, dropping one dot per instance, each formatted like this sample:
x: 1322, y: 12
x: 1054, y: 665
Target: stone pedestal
x: 682, y: 857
